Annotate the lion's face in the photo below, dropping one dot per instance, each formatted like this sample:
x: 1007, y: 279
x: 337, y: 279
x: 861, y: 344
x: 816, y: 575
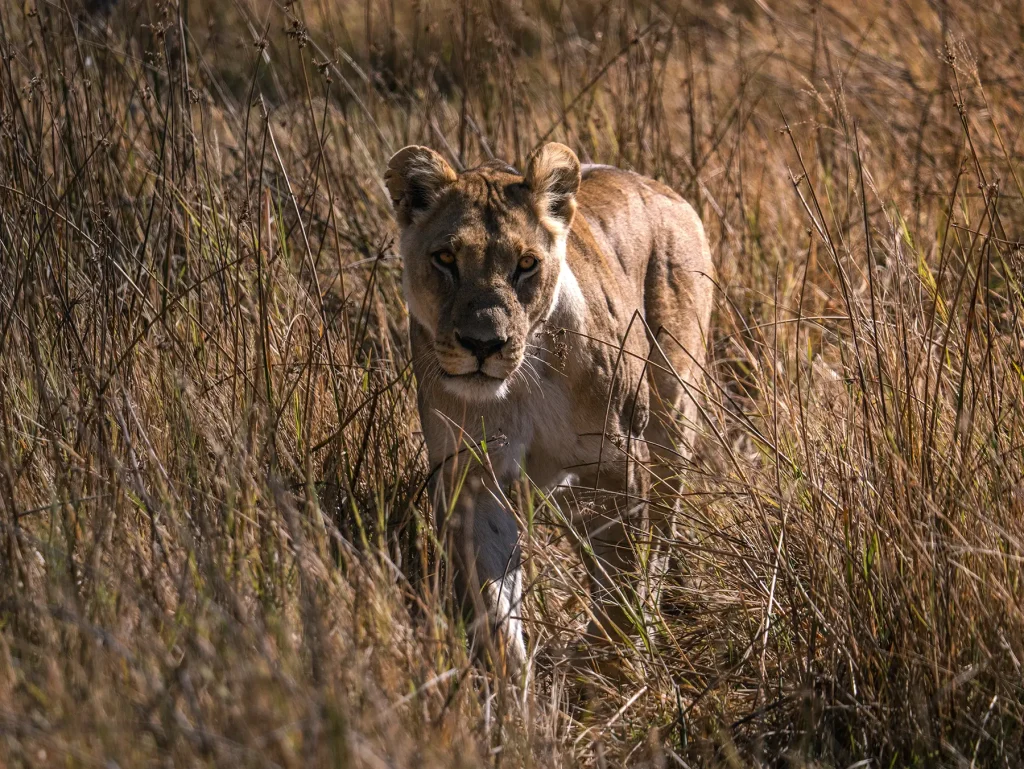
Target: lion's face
x: 483, y: 255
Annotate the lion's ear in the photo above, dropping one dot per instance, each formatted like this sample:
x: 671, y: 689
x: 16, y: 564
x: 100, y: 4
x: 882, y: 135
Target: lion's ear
x: 553, y: 175
x: 415, y: 177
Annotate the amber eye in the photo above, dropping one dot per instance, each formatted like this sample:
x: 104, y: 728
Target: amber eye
x: 444, y: 258
x: 527, y: 262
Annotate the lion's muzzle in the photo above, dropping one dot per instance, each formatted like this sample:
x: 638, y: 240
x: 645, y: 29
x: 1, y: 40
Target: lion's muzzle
x: 481, y: 348
x: 480, y: 352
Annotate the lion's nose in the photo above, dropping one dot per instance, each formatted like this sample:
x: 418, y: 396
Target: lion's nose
x: 482, y: 349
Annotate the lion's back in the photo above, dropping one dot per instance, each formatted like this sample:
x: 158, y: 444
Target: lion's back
x: 651, y: 243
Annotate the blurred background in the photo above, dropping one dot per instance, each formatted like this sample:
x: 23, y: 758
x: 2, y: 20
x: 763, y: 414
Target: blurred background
x: 215, y: 549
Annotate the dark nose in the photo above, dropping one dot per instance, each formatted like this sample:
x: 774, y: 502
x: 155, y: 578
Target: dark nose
x: 481, y: 348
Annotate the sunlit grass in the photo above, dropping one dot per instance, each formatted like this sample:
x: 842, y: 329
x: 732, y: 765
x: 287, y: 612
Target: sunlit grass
x: 216, y: 545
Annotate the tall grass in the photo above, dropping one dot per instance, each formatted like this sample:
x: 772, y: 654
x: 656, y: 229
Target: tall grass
x: 216, y: 549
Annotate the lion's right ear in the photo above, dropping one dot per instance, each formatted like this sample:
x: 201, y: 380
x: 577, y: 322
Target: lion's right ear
x: 415, y: 177
x: 553, y: 174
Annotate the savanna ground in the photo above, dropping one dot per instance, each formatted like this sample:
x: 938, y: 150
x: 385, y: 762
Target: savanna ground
x: 214, y: 545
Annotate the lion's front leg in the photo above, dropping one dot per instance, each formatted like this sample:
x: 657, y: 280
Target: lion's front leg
x: 483, y: 542
x: 618, y: 538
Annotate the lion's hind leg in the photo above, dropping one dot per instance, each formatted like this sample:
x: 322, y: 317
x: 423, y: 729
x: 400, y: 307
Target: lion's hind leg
x: 678, y: 295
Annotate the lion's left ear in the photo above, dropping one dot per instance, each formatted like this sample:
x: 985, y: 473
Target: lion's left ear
x: 416, y: 176
x: 553, y: 175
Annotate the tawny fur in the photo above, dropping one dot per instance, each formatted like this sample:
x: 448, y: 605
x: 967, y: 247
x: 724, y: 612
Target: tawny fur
x: 580, y: 380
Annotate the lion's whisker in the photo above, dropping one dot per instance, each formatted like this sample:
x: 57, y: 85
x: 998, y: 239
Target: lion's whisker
x: 535, y: 357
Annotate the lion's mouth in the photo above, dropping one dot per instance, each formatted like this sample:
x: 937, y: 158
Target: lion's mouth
x: 477, y: 385
x: 475, y: 376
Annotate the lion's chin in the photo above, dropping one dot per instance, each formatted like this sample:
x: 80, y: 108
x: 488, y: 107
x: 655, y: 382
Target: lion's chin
x: 477, y: 386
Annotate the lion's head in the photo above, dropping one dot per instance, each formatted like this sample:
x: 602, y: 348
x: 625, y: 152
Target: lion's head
x: 483, y: 255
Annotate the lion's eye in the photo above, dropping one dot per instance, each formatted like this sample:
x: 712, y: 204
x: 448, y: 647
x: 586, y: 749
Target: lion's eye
x: 444, y: 259
x: 527, y: 262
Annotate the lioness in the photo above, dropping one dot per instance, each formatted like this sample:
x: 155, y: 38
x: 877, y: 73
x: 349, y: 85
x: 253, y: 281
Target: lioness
x: 558, y: 327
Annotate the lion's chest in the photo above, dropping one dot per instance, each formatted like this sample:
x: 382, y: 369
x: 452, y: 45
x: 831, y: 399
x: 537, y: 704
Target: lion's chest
x: 564, y: 440
x: 552, y: 439
x: 581, y: 411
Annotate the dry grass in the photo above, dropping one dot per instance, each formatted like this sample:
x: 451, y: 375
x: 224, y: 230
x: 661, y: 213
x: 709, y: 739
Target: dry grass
x: 215, y: 550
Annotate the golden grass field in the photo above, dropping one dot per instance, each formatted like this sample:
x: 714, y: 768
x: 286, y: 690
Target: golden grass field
x: 215, y: 549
